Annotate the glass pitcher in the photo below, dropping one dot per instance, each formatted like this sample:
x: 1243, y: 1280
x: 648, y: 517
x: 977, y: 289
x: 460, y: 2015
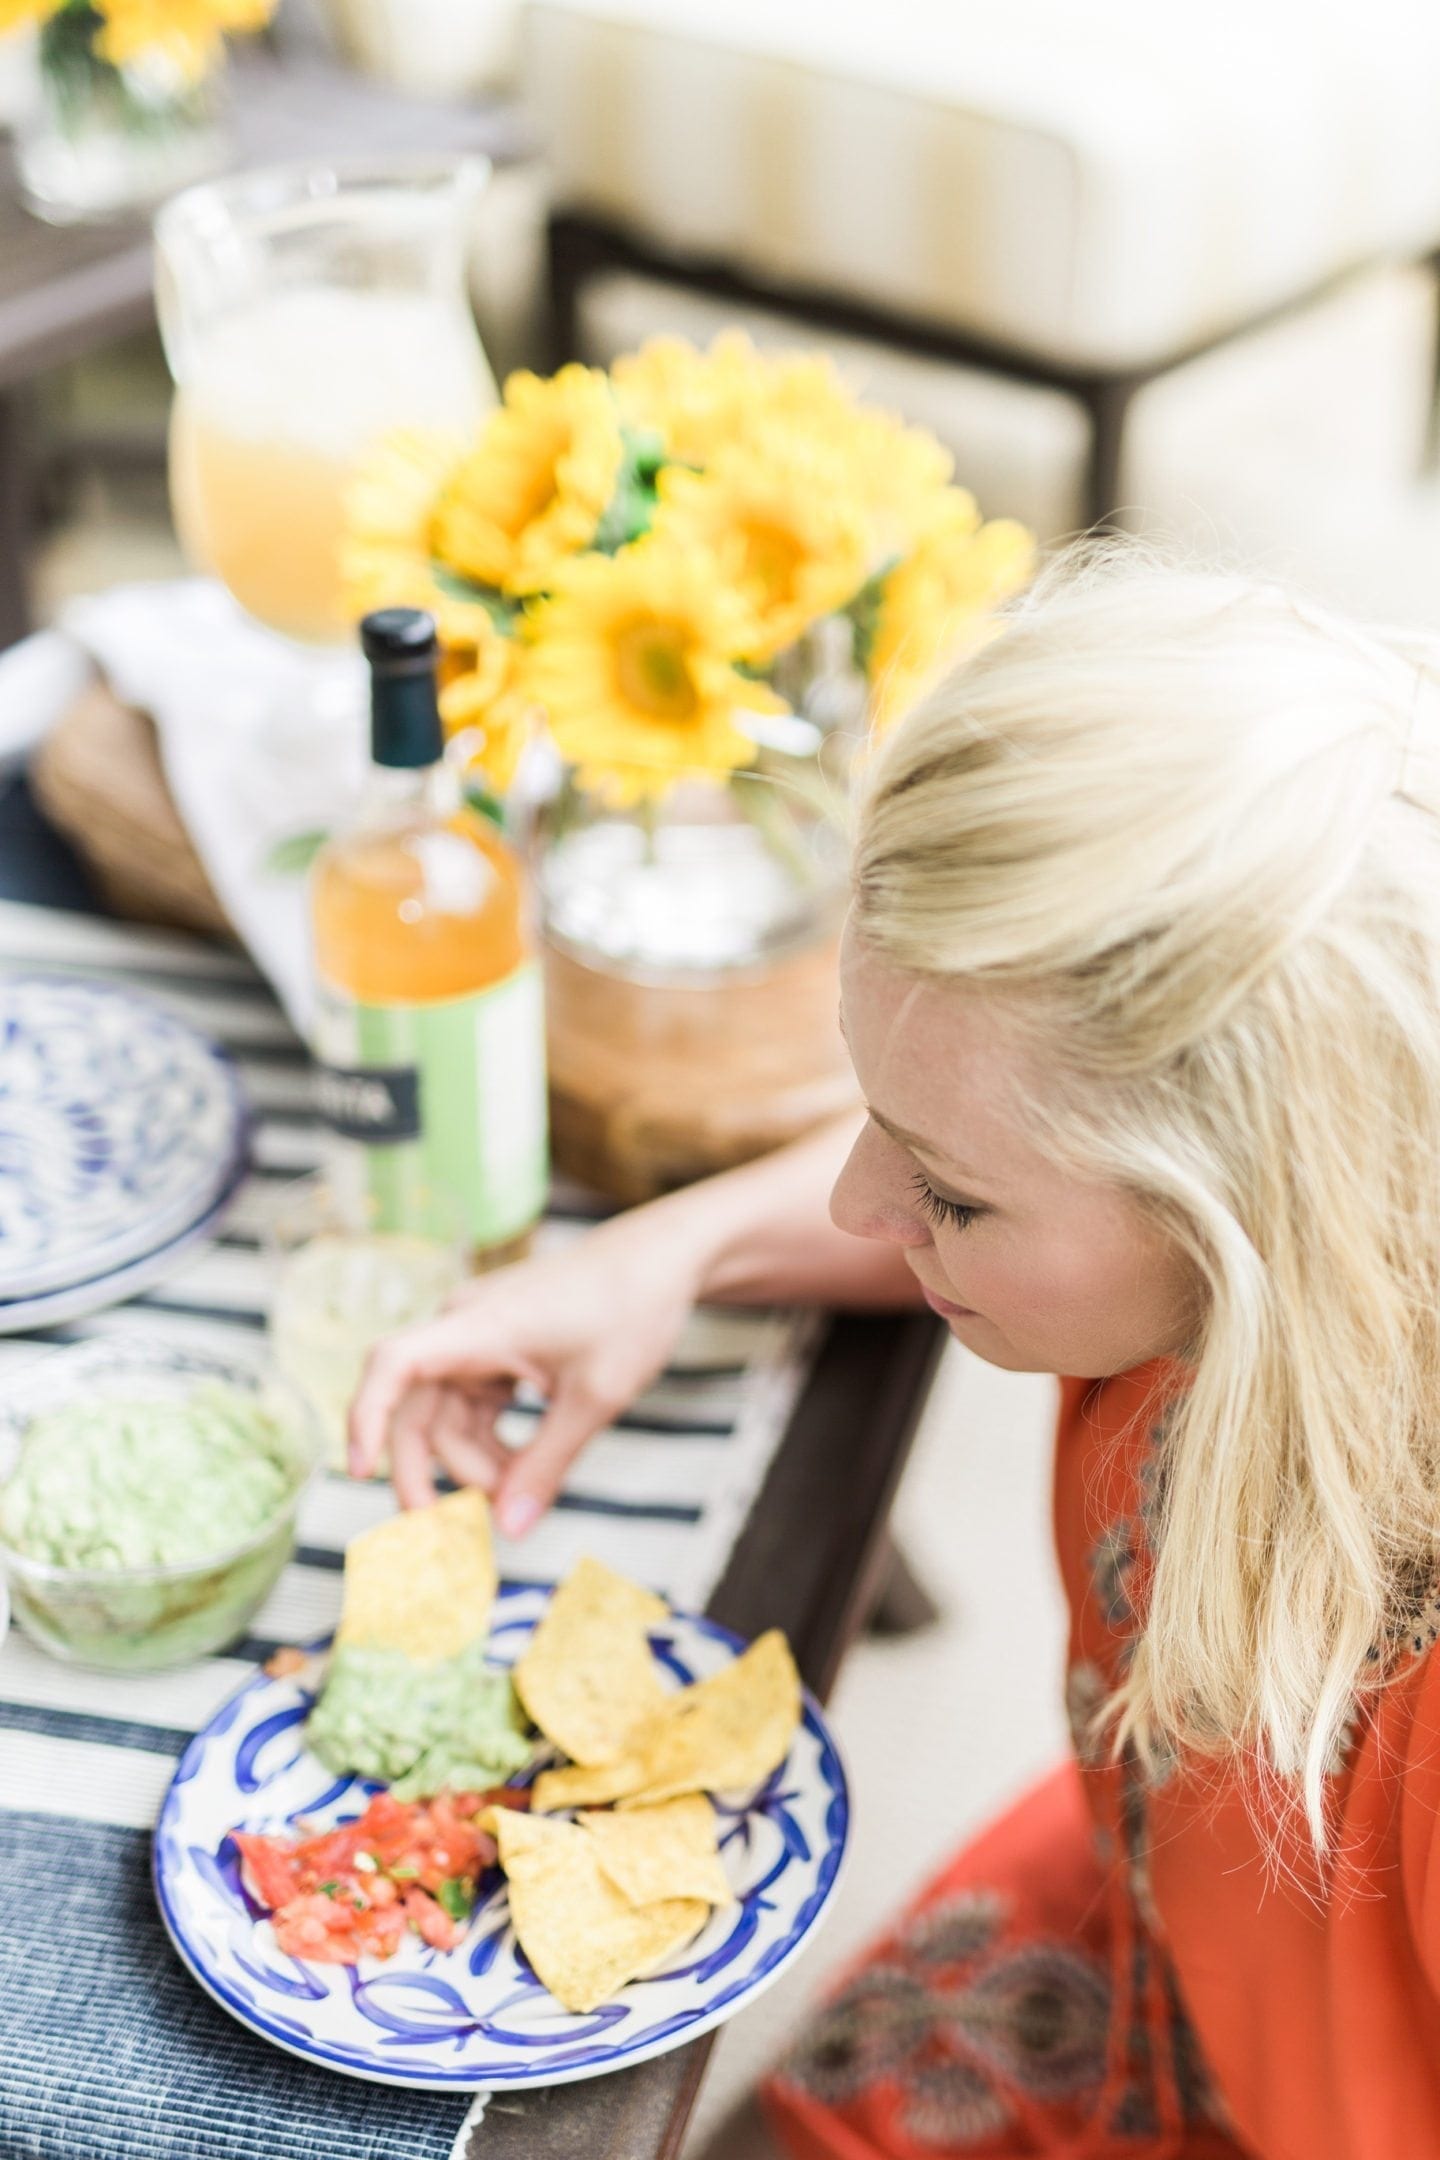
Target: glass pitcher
x: 307, y: 310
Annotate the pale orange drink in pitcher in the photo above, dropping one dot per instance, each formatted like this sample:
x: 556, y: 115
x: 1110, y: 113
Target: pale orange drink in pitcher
x: 281, y: 402
x: 307, y: 312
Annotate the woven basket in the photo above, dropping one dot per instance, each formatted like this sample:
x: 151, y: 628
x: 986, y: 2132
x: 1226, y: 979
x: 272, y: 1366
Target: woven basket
x: 99, y: 780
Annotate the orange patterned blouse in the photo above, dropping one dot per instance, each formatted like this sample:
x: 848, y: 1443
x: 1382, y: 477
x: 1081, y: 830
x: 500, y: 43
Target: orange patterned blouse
x: 1117, y: 1969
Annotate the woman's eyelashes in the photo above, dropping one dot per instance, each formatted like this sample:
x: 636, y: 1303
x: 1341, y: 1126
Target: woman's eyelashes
x: 938, y: 1208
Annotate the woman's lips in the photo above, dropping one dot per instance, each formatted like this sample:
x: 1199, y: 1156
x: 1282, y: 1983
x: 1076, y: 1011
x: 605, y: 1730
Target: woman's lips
x: 943, y: 1306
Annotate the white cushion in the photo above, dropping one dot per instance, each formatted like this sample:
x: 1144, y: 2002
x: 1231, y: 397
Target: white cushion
x: 1083, y: 180
x: 1267, y: 453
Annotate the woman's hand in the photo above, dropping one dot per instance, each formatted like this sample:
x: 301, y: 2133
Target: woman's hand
x: 588, y: 1327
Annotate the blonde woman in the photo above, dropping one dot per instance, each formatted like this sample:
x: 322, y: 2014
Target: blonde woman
x: 1142, y: 986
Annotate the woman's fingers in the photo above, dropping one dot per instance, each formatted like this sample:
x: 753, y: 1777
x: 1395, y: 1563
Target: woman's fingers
x: 463, y: 1437
x: 447, y: 1348
x: 411, y: 1451
x: 383, y: 1384
x: 532, y: 1476
x: 436, y: 1389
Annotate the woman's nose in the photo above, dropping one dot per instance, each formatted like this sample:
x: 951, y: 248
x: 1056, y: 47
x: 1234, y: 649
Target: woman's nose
x: 871, y: 1197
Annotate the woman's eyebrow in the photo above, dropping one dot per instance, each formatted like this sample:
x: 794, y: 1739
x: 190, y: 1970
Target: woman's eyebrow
x: 915, y: 1143
x: 906, y: 1139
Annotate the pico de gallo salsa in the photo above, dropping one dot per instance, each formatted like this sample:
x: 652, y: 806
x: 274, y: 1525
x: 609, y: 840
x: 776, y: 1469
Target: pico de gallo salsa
x: 352, y: 1892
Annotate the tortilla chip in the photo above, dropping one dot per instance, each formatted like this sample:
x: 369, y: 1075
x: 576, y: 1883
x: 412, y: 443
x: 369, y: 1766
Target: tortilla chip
x: 573, y: 1786
x: 520, y: 1835
x: 723, y: 1734
x: 669, y: 1851
x: 587, y: 1678
x: 583, y: 1938
x: 421, y: 1582
x: 726, y: 1733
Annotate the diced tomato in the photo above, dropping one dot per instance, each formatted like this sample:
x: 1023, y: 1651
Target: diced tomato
x: 317, y: 1857
x: 271, y: 1868
x: 334, y: 1849
x: 322, y: 1929
x: 381, y: 1933
x: 431, y: 1922
x: 352, y: 1891
x: 475, y: 1803
x: 390, y: 1826
x: 445, y: 1846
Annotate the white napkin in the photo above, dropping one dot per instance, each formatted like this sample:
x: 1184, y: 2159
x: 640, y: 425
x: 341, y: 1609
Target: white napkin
x: 39, y: 678
x: 262, y: 741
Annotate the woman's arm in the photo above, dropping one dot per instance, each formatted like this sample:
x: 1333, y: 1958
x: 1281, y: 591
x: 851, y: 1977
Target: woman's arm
x: 591, y: 1325
x: 763, y: 1235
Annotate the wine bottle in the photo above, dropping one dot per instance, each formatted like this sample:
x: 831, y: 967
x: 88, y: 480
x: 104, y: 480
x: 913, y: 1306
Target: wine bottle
x: 429, y: 1028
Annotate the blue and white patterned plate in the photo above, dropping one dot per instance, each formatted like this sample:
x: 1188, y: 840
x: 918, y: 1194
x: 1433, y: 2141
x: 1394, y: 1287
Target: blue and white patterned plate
x: 24, y: 1316
x: 120, y: 1127
x: 476, y: 2016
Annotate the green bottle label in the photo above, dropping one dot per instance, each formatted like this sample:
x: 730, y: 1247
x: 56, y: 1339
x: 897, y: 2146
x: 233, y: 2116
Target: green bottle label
x: 447, y: 1103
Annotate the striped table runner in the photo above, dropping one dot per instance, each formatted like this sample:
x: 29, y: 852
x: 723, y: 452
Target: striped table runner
x: 109, y: 2049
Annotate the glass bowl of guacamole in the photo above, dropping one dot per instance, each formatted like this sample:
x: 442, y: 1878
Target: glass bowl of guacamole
x: 148, y: 1495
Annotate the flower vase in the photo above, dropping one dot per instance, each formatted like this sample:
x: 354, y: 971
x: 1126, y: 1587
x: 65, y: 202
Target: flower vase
x: 691, y: 979
x: 101, y: 141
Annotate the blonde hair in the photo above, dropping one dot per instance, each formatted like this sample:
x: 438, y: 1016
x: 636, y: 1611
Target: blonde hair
x: 1186, y: 828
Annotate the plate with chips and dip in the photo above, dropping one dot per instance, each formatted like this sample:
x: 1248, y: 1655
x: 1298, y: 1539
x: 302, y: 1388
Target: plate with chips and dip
x: 500, y: 1834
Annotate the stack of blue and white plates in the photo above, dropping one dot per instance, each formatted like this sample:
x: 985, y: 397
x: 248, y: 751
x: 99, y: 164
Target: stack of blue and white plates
x: 123, y: 1136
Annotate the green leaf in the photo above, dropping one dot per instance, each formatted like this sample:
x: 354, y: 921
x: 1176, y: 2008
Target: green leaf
x: 293, y: 855
x: 629, y: 514
x: 502, y: 612
x: 864, y: 612
x: 328, y: 1889
x: 631, y: 508
x: 645, y: 448
x: 485, y: 802
x: 456, y: 1897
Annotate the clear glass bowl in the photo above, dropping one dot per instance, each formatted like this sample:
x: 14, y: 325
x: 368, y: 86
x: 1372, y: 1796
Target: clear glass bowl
x: 139, y: 1619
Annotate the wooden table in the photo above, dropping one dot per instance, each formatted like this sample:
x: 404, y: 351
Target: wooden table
x: 66, y: 290
x: 810, y: 1561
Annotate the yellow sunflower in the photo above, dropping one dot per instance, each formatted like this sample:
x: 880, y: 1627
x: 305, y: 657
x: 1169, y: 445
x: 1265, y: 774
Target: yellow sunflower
x: 705, y: 404
x: 896, y: 473
x: 632, y: 659
x: 696, y: 402
x: 783, y: 527
x: 188, y: 33
x: 902, y: 475
x: 490, y: 702
x: 937, y: 603
x: 804, y: 395
x: 385, y: 559
x: 14, y: 13
x: 534, y: 488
